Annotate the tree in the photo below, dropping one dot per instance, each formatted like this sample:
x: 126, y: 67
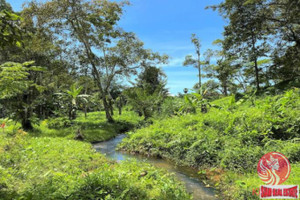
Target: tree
x: 195, y: 62
x: 224, y: 69
x: 73, y: 94
x: 246, y: 34
x: 5, y: 6
x: 284, y: 20
x: 33, y: 43
x: 19, y: 81
x: 148, y: 93
x: 10, y: 31
x: 16, y: 89
x: 257, y: 24
x: 151, y: 78
x: 92, y: 26
x: 211, y: 86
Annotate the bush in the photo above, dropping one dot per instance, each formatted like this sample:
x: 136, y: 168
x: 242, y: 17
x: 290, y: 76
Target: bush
x: 233, y: 137
x: 58, y: 123
x: 56, y: 168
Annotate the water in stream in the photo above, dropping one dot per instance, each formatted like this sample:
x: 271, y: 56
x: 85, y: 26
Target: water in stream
x: 187, y: 175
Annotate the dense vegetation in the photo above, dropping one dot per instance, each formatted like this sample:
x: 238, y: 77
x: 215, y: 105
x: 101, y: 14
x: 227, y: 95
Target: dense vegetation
x: 51, y: 165
x: 64, y: 71
x: 92, y: 128
x: 232, y: 136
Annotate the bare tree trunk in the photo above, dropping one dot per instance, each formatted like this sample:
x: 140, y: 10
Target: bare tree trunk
x: 26, y: 124
x: 111, y: 108
x: 25, y: 115
x: 107, y: 110
x: 91, y: 57
x: 199, y: 68
x: 256, y: 74
x: 255, y: 63
x: 225, y: 88
x: 110, y: 104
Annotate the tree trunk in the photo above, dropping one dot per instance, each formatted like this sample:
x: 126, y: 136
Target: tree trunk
x: 120, y: 110
x: 25, y: 115
x: 107, y: 110
x: 91, y: 57
x: 111, y: 108
x: 146, y: 116
x: 255, y: 62
x: 225, y: 90
x: 85, y: 111
x: 199, y: 69
x: 256, y: 74
x: 26, y: 125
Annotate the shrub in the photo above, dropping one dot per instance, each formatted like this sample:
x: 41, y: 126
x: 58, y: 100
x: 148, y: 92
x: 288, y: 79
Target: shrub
x: 57, y: 168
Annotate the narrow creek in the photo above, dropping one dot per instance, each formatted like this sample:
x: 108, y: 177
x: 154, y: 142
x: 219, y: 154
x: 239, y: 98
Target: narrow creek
x: 185, y: 174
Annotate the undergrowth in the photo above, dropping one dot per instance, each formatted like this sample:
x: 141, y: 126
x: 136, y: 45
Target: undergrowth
x: 232, y: 136
x: 57, y: 168
x: 93, y: 128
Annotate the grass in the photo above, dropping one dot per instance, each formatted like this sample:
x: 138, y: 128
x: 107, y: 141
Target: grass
x: 94, y: 128
x: 49, y: 165
x: 230, y: 139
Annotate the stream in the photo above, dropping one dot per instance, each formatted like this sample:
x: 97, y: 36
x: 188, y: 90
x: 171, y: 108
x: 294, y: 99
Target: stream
x: 186, y: 175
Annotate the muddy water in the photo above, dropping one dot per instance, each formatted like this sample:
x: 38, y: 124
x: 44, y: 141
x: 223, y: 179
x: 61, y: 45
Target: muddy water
x: 187, y: 175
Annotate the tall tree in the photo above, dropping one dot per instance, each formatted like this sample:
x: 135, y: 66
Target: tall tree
x: 195, y: 62
x: 254, y: 23
x: 10, y: 31
x: 92, y: 25
x: 224, y: 69
x: 17, y: 90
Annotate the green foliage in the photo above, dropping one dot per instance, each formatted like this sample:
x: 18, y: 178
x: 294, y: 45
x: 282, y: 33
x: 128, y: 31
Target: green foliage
x: 193, y: 102
x: 74, y: 92
x: 14, y: 78
x: 68, y: 100
x: 249, y: 36
x: 143, y: 102
x: 148, y: 94
x: 56, y: 168
x: 94, y: 128
x: 57, y: 123
x: 17, y: 88
x: 233, y: 137
x: 10, y: 32
x: 170, y: 107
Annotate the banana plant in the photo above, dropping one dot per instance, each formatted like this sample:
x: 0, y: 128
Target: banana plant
x: 194, y: 101
x: 73, y: 93
x: 70, y: 98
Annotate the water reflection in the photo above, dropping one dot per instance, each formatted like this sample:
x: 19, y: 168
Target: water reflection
x: 187, y: 175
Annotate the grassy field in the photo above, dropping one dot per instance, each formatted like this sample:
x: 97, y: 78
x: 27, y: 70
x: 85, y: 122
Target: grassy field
x: 49, y: 164
x: 94, y: 128
x: 227, y: 142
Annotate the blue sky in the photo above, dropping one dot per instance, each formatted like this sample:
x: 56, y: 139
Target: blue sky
x: 166, y: 26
